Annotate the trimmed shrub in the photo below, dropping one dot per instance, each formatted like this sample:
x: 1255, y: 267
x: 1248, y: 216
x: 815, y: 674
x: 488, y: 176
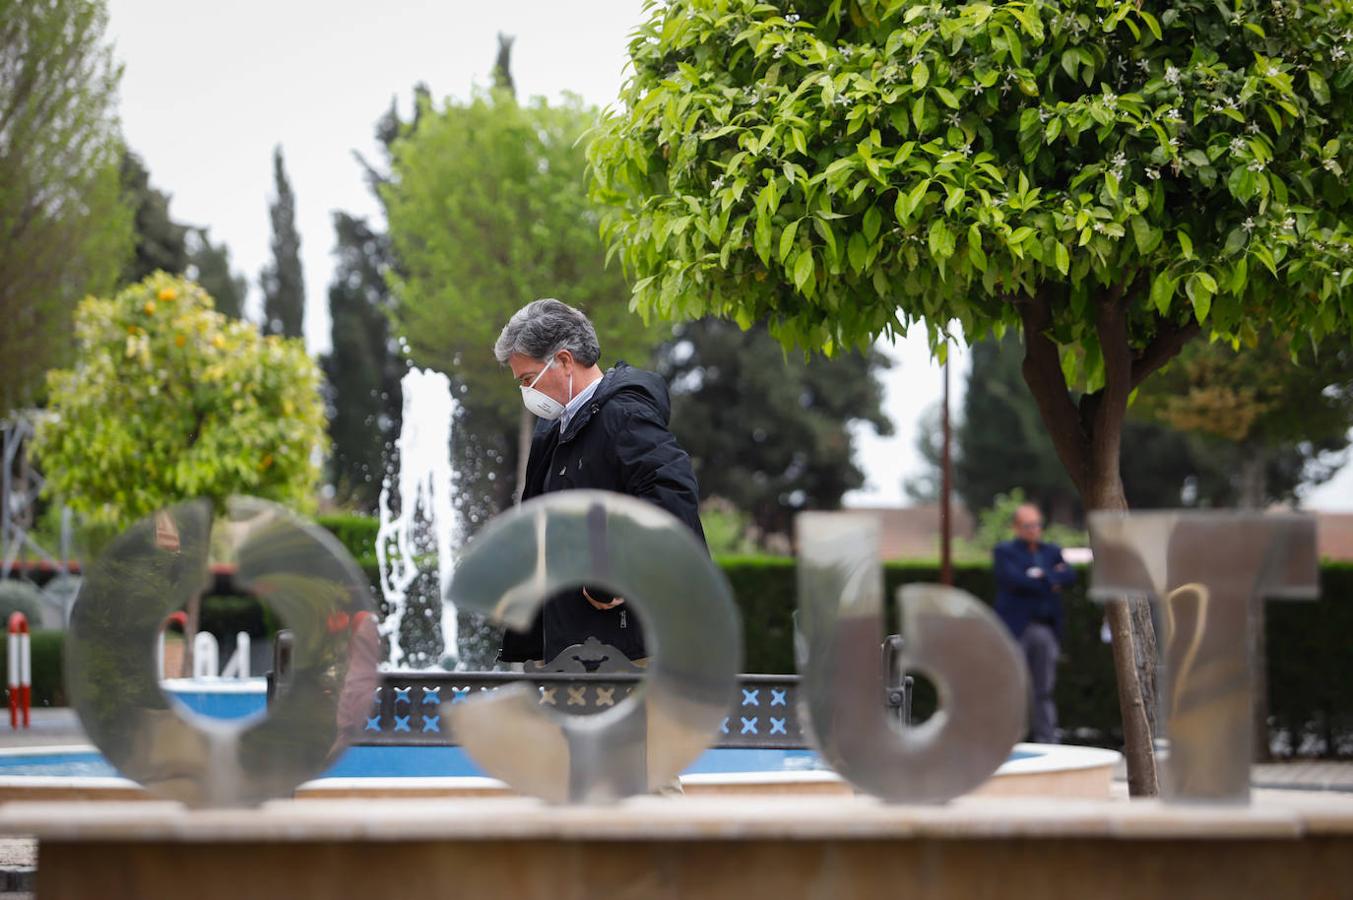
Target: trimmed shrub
x: 49, y: 683
x: 1310, y: 667
x: 1310, y: 678
x: 225, y: 616
x: 20, y: 596
x: 356, y: 533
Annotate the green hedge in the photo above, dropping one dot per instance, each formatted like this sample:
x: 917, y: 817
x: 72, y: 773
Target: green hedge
x: 1310, y: 665
x: 227, y: 616
x: 765, y: 589
x: 356, y: 533
x: 46, y: 648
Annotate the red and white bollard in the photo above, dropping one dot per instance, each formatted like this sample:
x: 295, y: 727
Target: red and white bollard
x: 20, y: 670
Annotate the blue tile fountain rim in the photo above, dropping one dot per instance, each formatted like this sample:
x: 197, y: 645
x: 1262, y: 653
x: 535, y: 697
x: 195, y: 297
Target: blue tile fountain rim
x: 427, y: 761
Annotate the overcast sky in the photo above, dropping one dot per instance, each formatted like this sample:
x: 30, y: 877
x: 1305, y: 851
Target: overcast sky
x: 210, y: 88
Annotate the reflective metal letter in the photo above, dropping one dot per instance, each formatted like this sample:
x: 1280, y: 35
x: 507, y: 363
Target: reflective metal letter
x: 308, y: 580
x: 1204, y: 570
x: 949, y: 635
x: 640, y: 552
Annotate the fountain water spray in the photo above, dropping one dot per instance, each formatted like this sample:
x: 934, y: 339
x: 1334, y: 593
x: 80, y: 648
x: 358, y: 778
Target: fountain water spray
x: 424, y: 488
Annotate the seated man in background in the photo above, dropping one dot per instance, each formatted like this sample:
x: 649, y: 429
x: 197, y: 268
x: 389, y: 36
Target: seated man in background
x: 1030, y: 575
x: 600, y: 431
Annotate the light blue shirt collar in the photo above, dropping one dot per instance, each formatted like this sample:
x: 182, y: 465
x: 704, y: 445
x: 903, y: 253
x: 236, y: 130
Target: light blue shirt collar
x: 576, y: 404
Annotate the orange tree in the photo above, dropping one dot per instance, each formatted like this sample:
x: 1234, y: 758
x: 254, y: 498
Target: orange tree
x: 169, y: 400
x: 1111, y: 178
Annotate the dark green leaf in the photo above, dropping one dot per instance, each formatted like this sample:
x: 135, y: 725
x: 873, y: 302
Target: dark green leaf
x: 1150, y: 21
x: 873, y: 220
x: 803, y: 269
x: 941, y: 240
x: 787, y: 240
x: 1319, y: 89
x: 857, y: 250
x: 1200, y: 295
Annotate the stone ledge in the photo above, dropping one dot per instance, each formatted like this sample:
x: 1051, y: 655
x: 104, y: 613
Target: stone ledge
x: 653, y: 819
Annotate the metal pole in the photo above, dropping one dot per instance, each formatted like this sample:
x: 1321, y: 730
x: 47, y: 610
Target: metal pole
x: 946, y: 488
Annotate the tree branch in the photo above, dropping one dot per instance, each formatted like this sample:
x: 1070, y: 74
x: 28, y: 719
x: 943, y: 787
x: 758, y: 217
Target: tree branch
x: 1165, y: 346
x: 1043, y: 374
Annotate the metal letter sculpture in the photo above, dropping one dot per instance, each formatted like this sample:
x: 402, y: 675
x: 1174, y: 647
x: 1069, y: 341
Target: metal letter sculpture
x: 981, y: 675
x: 1204, y: 571
x: 639, y: 552
x: 151, y: 571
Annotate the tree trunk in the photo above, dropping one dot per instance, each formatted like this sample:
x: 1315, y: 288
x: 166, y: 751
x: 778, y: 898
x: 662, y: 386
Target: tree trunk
x: 1134, y: 662
x: 525, y: 427
x: 1253, y: 495
x: 1088, y: 438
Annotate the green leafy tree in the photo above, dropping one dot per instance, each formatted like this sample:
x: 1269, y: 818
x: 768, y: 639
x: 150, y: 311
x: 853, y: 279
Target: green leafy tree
x: 390, y: 128
x: 161, y: 243
x: 1162, y: 468
x: 209, y: 266
x: 487, y: 208
x: 165, y: 245
x: 1001, y: 445
x: 727, y: 529
x: 169, y: 400
x: 366, y: 363
x: 1110, y: 178
x: 65, y: 227
x: 1264, y: 408
x: 282, y: 280
x: 1001, y: 442
x: 994, y: 526
x: 766, y: 430
x: 364, y: 367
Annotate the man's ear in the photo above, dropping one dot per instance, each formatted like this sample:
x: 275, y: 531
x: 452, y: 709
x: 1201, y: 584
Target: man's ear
x: 566, y: 360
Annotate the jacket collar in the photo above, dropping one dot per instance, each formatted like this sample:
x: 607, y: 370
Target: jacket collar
x: 590, y: 407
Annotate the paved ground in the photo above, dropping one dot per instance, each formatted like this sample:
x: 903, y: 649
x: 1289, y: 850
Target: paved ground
x: 17, y: 853
x: 1292, y: 775
x: 1309, y: 775
x: 18, y: 867
x: 47, y: 727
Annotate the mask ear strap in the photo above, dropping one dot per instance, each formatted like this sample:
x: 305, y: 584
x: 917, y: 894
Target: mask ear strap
x: 541, y: 375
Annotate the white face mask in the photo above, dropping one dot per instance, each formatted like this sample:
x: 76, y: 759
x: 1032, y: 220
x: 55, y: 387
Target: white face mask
x: 541, y: 404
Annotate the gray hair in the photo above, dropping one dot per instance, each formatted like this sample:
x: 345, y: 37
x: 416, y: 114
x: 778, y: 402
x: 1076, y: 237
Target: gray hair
x: 542, y: 328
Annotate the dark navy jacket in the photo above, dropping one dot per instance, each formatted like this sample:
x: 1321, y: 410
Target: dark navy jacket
x: 618, y: 441
x: 1021, y: 599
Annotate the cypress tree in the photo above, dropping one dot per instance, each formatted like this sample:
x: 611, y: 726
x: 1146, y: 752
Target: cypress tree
x: 282, y: 281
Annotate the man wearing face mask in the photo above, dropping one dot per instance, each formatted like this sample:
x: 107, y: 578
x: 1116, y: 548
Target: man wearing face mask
x: 599, y: 431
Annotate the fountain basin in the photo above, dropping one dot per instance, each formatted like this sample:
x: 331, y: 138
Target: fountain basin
x: 79, y: 772
x: 707, y: 847
x: 220, y: 698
